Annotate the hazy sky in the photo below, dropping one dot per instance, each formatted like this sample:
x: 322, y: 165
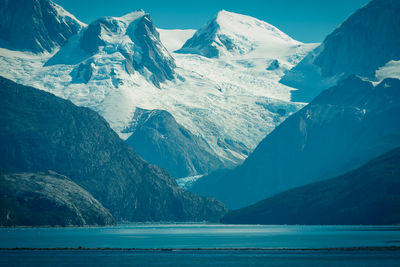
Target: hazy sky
x: 304, y: 20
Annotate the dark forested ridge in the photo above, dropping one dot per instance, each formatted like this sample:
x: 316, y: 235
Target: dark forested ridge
x: 368, y: 195
x: 41, y: 132
x: 159, y: 139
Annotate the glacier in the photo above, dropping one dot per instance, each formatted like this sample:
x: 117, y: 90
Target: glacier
x: 231, y: 101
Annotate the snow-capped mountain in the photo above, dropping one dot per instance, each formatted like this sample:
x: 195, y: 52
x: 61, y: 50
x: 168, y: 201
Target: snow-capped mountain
x: 367, y: 42
x: 116, y: 65
x: 128, y: 44
x: 36, y: 26
x: 234, y: 34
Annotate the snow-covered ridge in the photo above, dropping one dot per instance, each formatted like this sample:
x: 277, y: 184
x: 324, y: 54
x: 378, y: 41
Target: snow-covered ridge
x: 64, y: 15
x: 112, y: 46
x: 235, y: 34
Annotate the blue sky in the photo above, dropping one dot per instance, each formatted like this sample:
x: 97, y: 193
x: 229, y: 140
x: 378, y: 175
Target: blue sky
x: 304, y: 20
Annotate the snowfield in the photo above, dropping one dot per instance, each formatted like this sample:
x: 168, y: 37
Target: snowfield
x: 232, y: 101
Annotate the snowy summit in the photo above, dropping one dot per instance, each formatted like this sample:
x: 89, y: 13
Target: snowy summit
x: 234, y: 34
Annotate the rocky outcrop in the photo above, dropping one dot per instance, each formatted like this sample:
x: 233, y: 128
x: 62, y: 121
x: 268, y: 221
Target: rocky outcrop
x: 344, y: 127
x: 369, y: 195
x: 48, y: 199
x: 35, y: 25
x: 154, y: 56
x: 159, y: 139
x: 362, y: 44
x: 40, y: 132
x: 135, y: 38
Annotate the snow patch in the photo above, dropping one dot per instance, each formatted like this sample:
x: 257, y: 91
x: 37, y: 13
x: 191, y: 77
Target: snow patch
x: 389, y: 70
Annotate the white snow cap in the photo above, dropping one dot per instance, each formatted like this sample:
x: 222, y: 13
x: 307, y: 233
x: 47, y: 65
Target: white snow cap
x: 252, y: 28
x: 235, y: 34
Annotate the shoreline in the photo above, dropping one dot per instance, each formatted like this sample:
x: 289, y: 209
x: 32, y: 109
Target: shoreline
x: 386, y: 248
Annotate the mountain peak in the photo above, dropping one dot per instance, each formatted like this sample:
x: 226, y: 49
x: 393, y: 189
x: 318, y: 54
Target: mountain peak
x: 364, y: 43
x: 36, y: 25
x: 234, y: 34
x: 131, y: 43
x: 132, y: 16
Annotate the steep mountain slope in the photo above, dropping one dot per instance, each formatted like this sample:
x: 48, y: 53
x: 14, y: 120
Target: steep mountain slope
x: 368, y: 195
x: 40, y: 132
x: 116, y: 65
x: 159, y: 139
x: 41, y: 199
x: 366, y: 41
x: 234, y: 34
x: 35, y: 25
x: 341, y: 129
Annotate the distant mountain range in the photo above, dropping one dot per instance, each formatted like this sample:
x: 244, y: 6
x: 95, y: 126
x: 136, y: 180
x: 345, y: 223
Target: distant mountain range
x: 115, y: 65
x: 369, y: 195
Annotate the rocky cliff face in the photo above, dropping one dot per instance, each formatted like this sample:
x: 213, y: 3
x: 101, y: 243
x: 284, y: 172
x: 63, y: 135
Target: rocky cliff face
x: 368, y: 195
x: 362, y: 44
x: 40, y: 131
x: 131, y: 41
x: 344, y: 127
x: 48, y: 199
x: 35, y: 26
x: 159, y: 139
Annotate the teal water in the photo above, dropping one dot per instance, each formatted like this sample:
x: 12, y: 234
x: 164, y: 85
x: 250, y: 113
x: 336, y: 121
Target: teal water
x: 198, y: 258
x: 200, y: 236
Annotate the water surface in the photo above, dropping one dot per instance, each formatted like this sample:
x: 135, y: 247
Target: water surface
x: 201, y: 236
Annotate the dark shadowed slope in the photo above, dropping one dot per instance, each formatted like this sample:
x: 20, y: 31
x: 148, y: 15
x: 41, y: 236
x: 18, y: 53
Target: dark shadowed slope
x: 41, y: 132
x: 344, y: 127
x: 35, y: 25
x: 34, y: 199
x: 368, y: 195
x: 366, y: 41
x: 159, y: 139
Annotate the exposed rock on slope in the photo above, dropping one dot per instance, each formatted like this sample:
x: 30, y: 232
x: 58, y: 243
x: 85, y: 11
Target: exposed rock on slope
x: 159, y: 139
x: 115, y: 47
x: 366, y: 41
x: 41, y: 199
x: 117, y: 64
x: 344, y: 127
x: 36, y: 26
x: 40, y: 131
x: 368, y: 195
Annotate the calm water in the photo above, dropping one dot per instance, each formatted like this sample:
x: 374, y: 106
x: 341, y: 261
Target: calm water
x: 201, y: 236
